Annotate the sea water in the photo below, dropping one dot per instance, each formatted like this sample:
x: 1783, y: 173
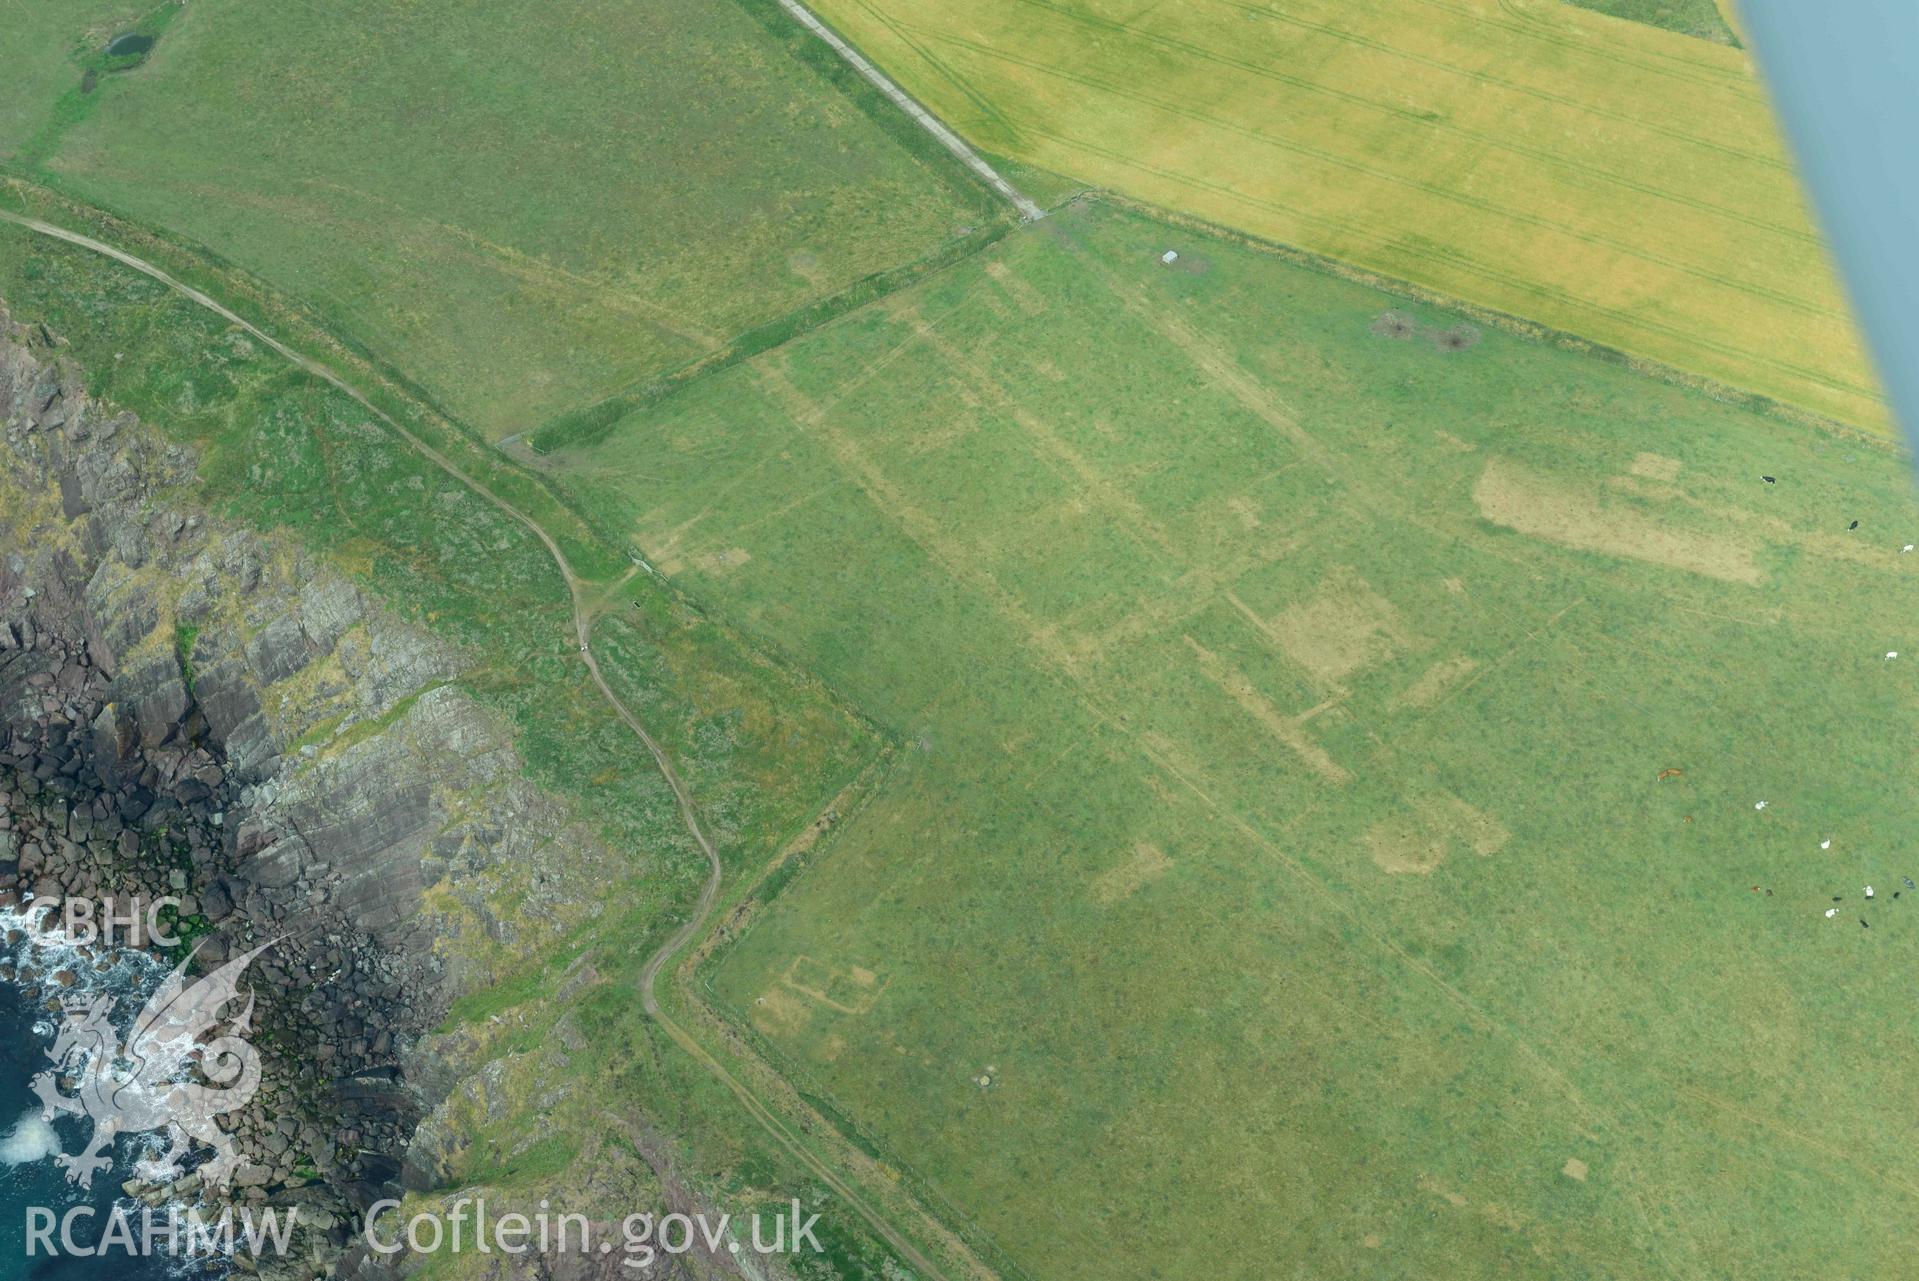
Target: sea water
x: 29, y: 1176
x: 1842, y: 78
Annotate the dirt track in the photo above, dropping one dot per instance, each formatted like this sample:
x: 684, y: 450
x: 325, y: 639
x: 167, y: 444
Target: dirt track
x: 921, y: 116
x: 583, y: 616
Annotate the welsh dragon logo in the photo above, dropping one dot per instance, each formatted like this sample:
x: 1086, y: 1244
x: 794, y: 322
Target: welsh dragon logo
x: 147, y: 1081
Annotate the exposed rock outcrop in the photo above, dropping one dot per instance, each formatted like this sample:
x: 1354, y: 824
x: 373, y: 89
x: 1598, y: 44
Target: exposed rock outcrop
x: 189, y: 708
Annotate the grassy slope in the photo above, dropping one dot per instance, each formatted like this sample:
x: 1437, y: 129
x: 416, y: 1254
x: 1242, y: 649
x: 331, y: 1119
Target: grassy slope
x: 1700, y: 18
x: 45, y: 41
x: 1605, y: 178
x: 761, y: 748
x: 1215, y: 571
x: 525, y: 210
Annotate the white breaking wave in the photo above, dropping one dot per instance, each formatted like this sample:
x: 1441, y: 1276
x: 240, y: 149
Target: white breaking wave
x: 127, y: 975
x: 31, y: 1139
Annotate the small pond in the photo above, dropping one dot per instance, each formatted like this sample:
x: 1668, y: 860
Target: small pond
x: 131, y: 45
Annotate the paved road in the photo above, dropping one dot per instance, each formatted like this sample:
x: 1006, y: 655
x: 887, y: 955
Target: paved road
x: 583, y: 615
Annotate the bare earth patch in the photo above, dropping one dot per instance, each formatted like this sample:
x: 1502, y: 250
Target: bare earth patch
x: 1286, y: 729
x: 1148, y: 862
x: 1400, y: 845
x: 1421, y: 840
x: 1342, y: 628
x: 1575, y: 1169
x: 1436, y: 680
x: 1655, y: 467
x: 721, y: 562
x: 1522, y: 500
x: 779, y: 1013
x: 1459, y: 337
x: 851, y: 989
x: 1395, y: 324
x: 1024, y: 296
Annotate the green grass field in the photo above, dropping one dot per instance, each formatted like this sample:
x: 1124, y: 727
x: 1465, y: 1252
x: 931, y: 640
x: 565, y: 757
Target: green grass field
x: 526, y: 208
x: 1605, y: 178
x: 1319, y: 837
x: 1323, y: 839
x: 761, y: 747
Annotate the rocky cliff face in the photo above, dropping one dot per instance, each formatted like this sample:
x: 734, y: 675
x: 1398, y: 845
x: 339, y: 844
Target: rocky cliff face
x: 192, y: 709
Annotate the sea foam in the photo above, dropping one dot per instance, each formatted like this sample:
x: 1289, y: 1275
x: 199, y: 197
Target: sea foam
x: 31, y: 1139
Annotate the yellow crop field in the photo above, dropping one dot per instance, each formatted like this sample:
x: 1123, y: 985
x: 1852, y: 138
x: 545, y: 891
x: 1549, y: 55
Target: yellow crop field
x: 1614, y: 180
